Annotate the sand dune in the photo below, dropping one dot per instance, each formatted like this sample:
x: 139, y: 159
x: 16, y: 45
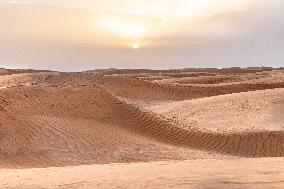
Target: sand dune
x: 74, y: 119
x: 140, y: 89
x: 251, y: 111
x: 145, y: 90
x: 71, y: 126
x: 254, y: 144
x: 100, y: 128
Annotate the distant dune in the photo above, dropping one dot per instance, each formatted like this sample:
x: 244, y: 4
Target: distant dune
x: 4, y: 71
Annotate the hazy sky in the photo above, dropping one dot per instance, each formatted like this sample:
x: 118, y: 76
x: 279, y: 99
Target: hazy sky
x: 74, y: 35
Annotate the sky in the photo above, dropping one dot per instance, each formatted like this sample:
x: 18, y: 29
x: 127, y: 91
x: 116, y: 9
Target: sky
x: 74, y: 35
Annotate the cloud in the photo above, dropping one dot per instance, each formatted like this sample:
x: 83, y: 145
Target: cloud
x: 56, y: 35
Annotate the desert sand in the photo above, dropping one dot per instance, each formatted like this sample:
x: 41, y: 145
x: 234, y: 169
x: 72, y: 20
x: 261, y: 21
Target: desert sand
x: 189, y: 128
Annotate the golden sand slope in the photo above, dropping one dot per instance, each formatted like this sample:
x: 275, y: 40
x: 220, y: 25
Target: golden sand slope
x: 45, y: 126
x: 261, y: 173
x: 249, y: 144
x: 261, y: 110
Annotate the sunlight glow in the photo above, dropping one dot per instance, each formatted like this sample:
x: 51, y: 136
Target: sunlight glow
x: 124, y: 27
x: 132, y: 20
x: 135, y: 46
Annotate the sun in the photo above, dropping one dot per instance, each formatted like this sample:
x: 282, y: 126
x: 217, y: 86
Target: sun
x: 135, y: 46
